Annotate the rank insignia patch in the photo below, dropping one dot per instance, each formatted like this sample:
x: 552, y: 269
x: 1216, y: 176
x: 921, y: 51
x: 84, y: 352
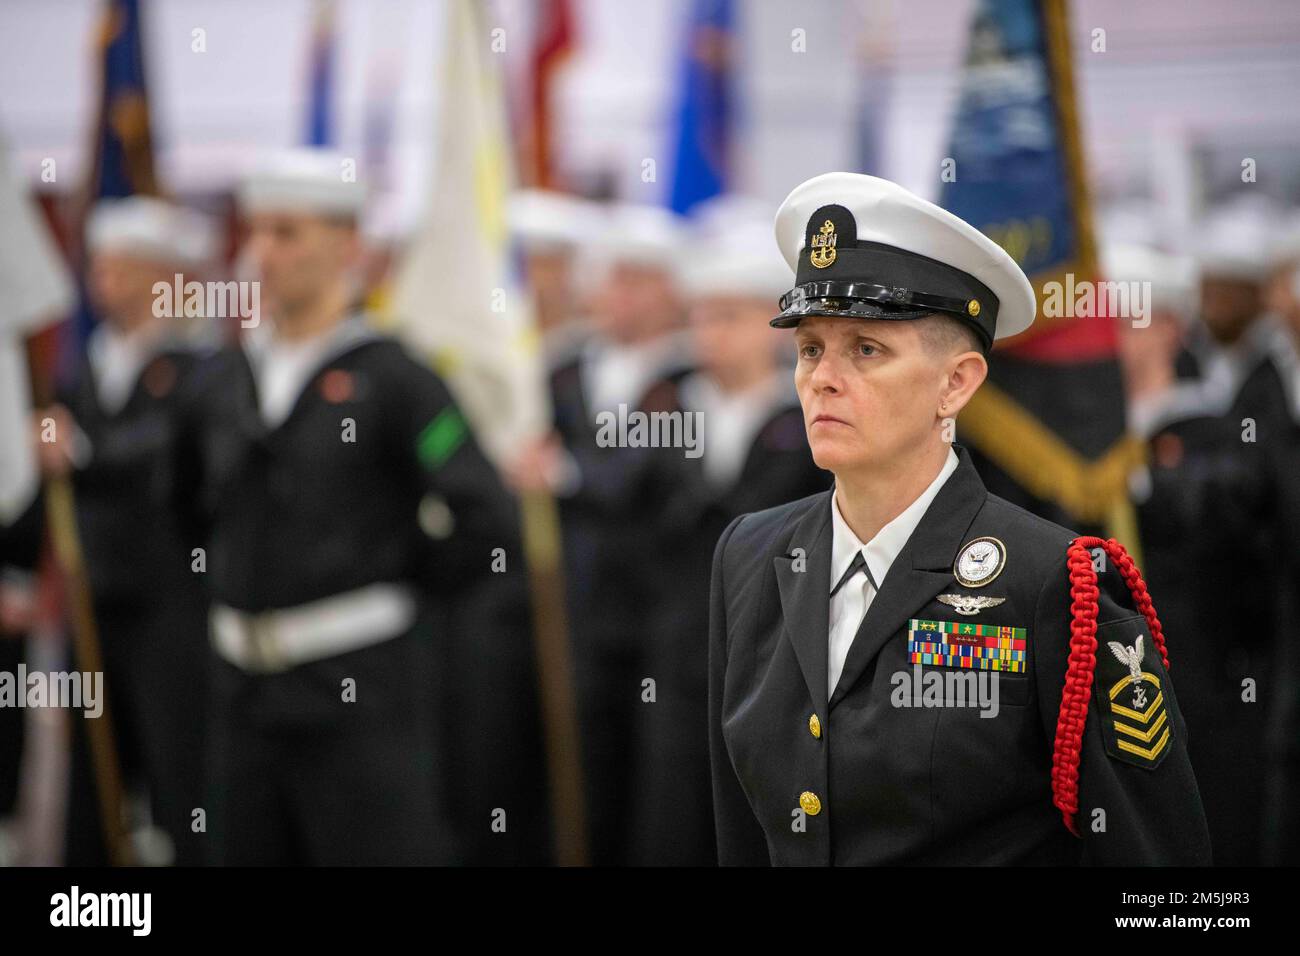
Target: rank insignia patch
x: 1129, y: 683
x: 988, y: 647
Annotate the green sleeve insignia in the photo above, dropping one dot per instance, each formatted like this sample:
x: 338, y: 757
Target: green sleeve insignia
x: 441, y: 437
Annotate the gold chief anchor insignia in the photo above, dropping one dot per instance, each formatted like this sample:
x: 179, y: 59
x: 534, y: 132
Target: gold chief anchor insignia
x: 823, y: 246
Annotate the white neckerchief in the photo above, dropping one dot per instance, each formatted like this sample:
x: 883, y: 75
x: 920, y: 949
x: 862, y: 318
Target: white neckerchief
x: 849, y: 605
x: 117, y: 359
x: 732, y: 420
x: 282, y: 368
x: 1223, y: 370
x: 616, y: 374
x: 1284, y: 350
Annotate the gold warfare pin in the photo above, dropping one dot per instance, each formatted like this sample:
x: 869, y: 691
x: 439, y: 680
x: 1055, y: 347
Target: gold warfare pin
x: 970, y: 603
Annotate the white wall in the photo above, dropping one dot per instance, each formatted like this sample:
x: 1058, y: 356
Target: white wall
x: 1179, y: 76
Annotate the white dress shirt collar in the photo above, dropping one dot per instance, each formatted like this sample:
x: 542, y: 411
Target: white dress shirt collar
x: 881, y: 550
x: 117, y: 359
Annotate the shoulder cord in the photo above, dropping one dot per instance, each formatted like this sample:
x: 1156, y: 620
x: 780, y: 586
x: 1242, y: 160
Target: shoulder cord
x: 1083, y: 659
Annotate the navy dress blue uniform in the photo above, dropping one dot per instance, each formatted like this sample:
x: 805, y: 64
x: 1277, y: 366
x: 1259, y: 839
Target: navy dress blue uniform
x: 607, y: 523
x: 1282, y: 788
x: 893, y: 765
x: 1210, y: 505
x: 673, y: 754
x: 904, y: 785
x: 150, y: 608
x: 1218, y: 500
x: 20, y: 543
x: 492, y: 753
x: 291, y: 515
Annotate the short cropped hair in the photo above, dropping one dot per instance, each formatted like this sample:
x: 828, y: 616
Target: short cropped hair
x: 944, y: 335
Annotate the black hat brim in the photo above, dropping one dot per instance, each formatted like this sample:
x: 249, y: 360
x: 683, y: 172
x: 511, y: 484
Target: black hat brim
x: 846, y: 309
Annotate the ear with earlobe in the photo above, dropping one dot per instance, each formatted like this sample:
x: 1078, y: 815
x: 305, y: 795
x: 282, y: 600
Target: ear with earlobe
x: 967, y: 373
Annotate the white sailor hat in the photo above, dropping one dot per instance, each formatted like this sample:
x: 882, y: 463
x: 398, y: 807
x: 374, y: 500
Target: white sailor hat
x: 151, y: 228
x: 542, y: 219
x: 317, y: 181
x: 718, y: 216
x: 1284, y: 250
x: 1133, y: 223
x: 731, y: 252
x: 1232, y: 240
x: 637, y: 234
x: 864, y: 247
x: 1173, y: 277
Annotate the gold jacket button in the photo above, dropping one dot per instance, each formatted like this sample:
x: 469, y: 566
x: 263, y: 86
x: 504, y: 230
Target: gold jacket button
x: 809, y: 803
x: 814, y: 726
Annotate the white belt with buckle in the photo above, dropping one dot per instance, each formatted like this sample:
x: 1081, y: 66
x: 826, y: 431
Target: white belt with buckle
x: 284, y: 637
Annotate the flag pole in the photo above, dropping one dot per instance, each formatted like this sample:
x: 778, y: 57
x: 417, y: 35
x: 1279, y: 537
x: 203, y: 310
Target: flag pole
x: 1121, y: 521
x: 542, y: 552
x: 60, y: 512
x: 462, y: 260
x: 61, y: 518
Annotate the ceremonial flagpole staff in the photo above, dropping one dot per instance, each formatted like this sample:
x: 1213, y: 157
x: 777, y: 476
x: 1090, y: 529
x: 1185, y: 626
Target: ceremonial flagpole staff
x: 907, y: 669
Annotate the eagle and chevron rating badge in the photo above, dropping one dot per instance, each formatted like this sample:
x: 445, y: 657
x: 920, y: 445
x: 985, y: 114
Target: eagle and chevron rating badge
x: 1129, y: 684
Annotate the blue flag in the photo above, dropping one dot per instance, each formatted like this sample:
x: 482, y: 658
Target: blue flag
x: 122, y: 163
x: 320, y: 91
x: 1014, y: 142
x: 701, y: 164
x: 123, y: 144
x: 1047, y: 429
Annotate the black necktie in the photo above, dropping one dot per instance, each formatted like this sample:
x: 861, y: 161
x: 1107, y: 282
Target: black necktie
x: 859, y: 564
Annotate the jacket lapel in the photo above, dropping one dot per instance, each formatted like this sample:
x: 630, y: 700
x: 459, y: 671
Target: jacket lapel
x: 805, y: 595
x: 922, y: 569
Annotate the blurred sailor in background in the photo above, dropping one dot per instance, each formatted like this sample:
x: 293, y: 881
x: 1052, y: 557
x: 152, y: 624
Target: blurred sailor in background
x: 754, y: 456
x: 20, y: 540
x: 118, y: 421
x: 1282, y: 455
x: 1149, y: 351
x: 1210, y: 411
x: 612, y: 497
x: 38, y: 290
x: 551, y: 229
x: 1227, y: 351
x: 342, y: 501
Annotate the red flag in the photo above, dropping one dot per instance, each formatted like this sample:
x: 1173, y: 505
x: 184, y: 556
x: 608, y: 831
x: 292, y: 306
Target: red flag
x: 553, y: 41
